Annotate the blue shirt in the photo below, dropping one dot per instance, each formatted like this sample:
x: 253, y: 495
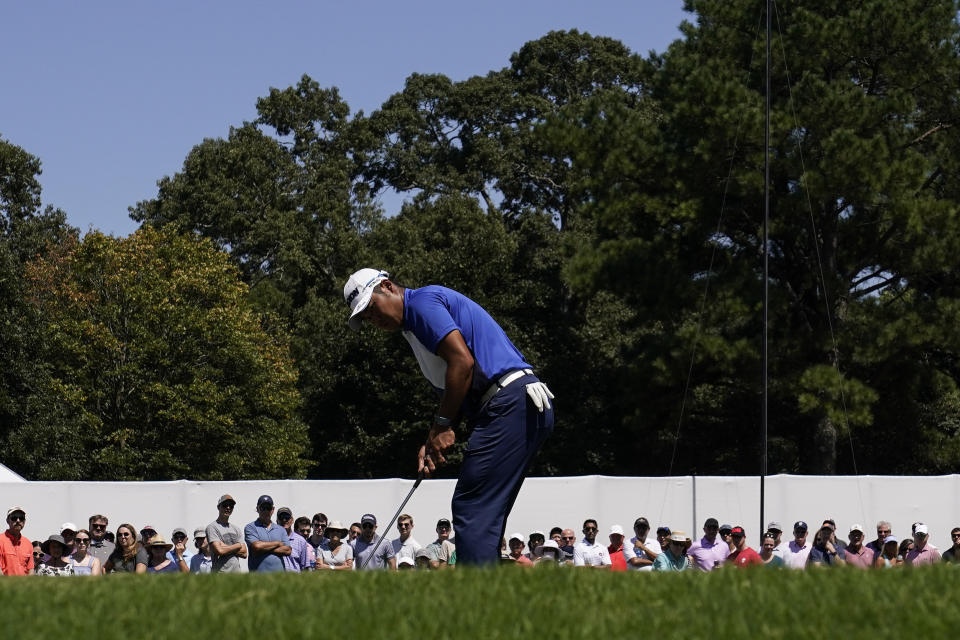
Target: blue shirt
x: 299, y: 558
x: 432, y: 312
x: 256, y: 532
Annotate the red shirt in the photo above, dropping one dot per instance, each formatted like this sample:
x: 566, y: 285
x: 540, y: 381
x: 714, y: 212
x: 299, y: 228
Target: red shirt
x: 618, y: 562
x: 16, y: 556
x: 744, y: 557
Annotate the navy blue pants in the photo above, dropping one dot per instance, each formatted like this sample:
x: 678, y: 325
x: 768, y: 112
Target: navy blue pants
x: 506, y: 436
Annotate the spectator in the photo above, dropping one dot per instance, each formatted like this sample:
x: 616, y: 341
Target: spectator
x: 337, y: 554
x: 549, y: 553
x: 641, y: 551
x: 588, y: 552
x: 54, y: 564
x: 179, y: 539
x: 838, y: 543
x: 158, y: 548
x: 302, y: 526
x: 516, y: 550
x: 267, y: 542
x: 888, y: 553
x: 663, y: 536
x: 952, y: 555
x: 441, y: 550
x: 422, y: 559
x: 855, y: 553
x: 767, y: 545
x: 16, y: 552
x: 299, y: 558
x: 568, y: 540
x: 68, y: 530
x: 225, y: 541
x: 674, y: 556
x: 710, y: 552
x: 798, y: 550
x: 777, y: 530
x: 741, y: 555
x: 405, y: 546
x: 355, y: 531
x: 556, y: 534
x: 406, y: 563
x: 201, y: 561
x: 100, y: 547
x: 365, y: 546
x: 906, y: 546
x: 618, y: 562
x: 83, y: 563
x: 318, y: 540
x: 37, y: 553
x: 128, y: 556
x: 147, y: 533
x: 823, y: 552
x: 534, y: 542
x: 883, y: 530
x: 922, y: 552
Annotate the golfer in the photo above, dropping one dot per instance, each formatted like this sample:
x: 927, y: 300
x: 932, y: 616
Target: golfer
x: 484, y: 380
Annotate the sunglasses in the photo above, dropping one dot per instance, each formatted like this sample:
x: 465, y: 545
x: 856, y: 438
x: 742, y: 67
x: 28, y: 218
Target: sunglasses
x: 227, y: 505
x: 367, y: 525
x: 82, y: 540
x: 99, y: 526
x: 589, y: 528
x: 179, y: 536
x: 16, y: 518
x: 404, y: 525
x: 284, y: 517
x: 568, y: 537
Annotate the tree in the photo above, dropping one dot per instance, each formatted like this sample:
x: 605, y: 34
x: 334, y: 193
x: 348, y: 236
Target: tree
x: 159, y: 367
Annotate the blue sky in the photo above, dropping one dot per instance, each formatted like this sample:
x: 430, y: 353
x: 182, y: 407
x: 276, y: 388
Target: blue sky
x: 111, y: 96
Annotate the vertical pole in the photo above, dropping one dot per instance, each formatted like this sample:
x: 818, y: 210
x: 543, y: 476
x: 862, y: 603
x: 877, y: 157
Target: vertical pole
x: 766, y: 270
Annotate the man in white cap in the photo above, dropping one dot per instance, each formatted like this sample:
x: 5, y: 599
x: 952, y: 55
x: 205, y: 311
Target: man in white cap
x: 16, y: 551
x: 516, y: 545
x: 923, y: 552
x: 618, y: 562
x: 225, y: 539
x: 856, y: 554
x: 484, y: 380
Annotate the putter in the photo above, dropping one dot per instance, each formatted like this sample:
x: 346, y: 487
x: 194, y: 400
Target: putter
x: 393, y: 519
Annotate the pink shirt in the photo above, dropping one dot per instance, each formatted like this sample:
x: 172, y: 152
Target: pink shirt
x: 862, y: 558
x: 704, y: 553
x: 927, y: 555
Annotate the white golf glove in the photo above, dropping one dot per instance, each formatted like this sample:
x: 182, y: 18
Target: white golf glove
x: 540, y: 395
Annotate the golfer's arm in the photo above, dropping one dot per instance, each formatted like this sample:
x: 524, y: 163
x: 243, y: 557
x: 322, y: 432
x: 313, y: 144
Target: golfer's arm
x: 460, y: 363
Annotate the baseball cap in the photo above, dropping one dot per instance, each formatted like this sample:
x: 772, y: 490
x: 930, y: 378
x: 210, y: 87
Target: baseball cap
x: 890, y: 539
x: 711, y: 522
x: 226, y: 498
x: 357, y: 292
x: 537, y: 533
x: 616, y: 529
x: 737, y: 531
x: 774, y: 526
x: 368, y: 517
x: 199, y: 532
x: 726, y: 527
x: 264, y: 501
x: 921, y: 529
x: 443, y: 522
x: 663, y: 531
x: 284, y: 511
x: 641, y: 521
x: 68, y: 526
x: 856, y: 527
x: 12, y: 510
x: 800, y: 524
x: 179, y: 530
x: 406, y: 560
x: 516, y: 536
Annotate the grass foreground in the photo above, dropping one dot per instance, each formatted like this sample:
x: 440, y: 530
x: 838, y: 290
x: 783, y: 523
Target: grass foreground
x: 542, y: 602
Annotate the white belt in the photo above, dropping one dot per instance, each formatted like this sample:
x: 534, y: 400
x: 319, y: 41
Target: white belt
x: 504, y: 381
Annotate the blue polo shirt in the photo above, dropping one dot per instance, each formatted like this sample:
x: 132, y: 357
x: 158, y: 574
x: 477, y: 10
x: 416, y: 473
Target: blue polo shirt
x: 256, y: 532
x: 432, y: 312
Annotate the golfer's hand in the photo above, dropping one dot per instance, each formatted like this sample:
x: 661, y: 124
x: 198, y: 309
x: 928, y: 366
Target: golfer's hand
x: 440, y: 439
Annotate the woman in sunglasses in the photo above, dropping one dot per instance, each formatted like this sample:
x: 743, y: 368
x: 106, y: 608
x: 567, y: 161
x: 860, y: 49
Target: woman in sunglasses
x: 54, y: 565
x: 83, y: 563
x: 127, y: 557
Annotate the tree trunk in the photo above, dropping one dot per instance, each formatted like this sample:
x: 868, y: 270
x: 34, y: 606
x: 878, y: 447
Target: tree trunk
x: 824, y: 458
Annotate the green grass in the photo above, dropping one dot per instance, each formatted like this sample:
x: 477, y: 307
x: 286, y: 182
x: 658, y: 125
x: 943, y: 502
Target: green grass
x: 542, y: 603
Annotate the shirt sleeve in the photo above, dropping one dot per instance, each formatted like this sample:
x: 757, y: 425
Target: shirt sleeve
x: 577, y: 556
x: 429, y: 319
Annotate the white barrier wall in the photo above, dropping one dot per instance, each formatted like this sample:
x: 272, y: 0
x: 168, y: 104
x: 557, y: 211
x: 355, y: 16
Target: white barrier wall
x: 682, y: 502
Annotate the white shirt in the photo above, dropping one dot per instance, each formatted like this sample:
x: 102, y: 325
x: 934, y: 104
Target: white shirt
x: 630, y: 551
x: 406, y: 549
x: 794, y: 556
x: 594, y: 555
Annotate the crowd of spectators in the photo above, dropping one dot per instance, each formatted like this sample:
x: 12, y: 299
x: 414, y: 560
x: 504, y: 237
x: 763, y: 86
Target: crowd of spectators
x: 316, y: 544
